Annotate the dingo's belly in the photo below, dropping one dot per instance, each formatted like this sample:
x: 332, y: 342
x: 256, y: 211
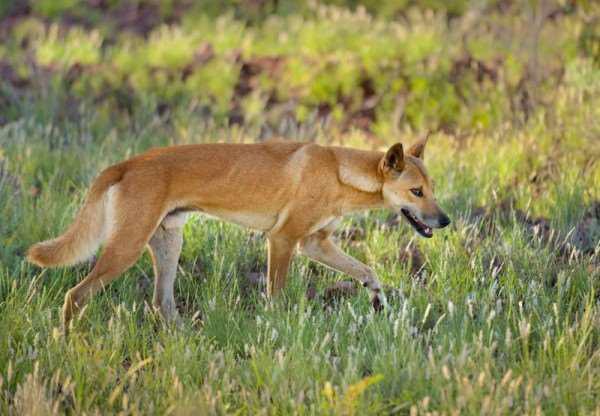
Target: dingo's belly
x: 256, y: 221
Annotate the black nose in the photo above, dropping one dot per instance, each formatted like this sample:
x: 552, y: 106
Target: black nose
x: 444, y: 220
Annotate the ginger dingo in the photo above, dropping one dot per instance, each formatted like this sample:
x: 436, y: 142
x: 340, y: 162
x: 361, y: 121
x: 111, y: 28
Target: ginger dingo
x: 294, y: 192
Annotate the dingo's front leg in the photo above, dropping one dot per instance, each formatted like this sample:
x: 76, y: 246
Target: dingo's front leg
x: 321, y: 248
x: 281, y: 251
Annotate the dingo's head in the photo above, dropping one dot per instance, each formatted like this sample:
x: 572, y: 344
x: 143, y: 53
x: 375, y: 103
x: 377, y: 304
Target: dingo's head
x: 408, y: 189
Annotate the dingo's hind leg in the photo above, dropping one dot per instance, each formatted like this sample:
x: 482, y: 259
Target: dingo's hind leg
x: 130, y: 231
x: 165, y: 248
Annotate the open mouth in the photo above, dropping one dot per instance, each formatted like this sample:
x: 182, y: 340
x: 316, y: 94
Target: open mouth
x: 421, y: 228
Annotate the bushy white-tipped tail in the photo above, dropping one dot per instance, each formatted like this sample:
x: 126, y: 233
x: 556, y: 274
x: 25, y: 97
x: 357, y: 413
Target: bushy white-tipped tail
x: 77, y: 244
x: 85, y: 234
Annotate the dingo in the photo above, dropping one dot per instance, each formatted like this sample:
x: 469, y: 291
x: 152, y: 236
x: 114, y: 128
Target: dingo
x: 294, y: 192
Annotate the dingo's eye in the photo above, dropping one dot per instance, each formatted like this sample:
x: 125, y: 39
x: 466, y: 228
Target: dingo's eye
x: 418, y: 192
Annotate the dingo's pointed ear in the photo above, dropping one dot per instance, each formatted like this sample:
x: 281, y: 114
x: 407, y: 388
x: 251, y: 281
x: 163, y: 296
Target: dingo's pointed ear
x: 418, y: 149
x: 393, y: 161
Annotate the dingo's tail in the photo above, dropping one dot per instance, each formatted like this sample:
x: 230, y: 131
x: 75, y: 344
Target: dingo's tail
x: 87, y: 231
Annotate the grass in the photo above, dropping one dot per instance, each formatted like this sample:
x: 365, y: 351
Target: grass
x: 463, y: 337
x: 504, y: 317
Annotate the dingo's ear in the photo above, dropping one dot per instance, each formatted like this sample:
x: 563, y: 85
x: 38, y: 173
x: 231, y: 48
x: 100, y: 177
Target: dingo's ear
x: 418, y: 148
x: 393, y: 161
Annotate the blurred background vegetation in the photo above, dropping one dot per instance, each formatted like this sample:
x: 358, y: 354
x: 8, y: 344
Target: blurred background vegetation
x: 380, y: 67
